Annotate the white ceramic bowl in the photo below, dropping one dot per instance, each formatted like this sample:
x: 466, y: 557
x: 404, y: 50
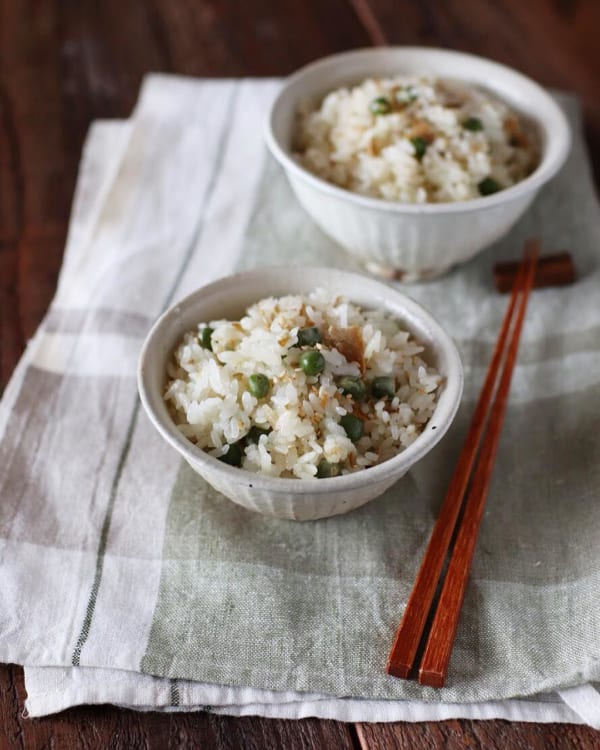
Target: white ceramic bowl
x: 298, y: 499
x: 403, y: 240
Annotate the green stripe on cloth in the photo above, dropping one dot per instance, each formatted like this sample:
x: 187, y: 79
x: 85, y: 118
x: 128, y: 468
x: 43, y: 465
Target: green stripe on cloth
x: 24, y: 481
x: 478, y: 353
x: 174, y: 693
x: 98, y: 320
x: 218, y: 160
x: 91, y: 605
x: 281, y: 233
x: 312, y: 605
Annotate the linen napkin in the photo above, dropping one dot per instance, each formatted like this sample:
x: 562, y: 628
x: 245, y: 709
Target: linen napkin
x: 117, y: 559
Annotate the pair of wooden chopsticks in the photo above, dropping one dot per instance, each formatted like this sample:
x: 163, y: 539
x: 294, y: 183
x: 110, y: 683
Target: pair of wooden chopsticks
x: 439, y: 639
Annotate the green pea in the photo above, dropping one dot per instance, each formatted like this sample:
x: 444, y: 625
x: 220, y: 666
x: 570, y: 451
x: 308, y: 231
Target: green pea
x: 259, y: 385
x: 473, y: 123
x: 380, y: 106
x: 255, y: 433
x: 234, y: 455
x: 488, y: 186
x: 353, y: 427
x: 312, y: 362
x: 383, y: 387
x: 206, y: 338
x: 351, y: 385
x: 420, y: 146
x: 309, y: 336
x: 325, y: 469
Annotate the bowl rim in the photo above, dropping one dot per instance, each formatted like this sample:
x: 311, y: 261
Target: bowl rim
x: 434, y: 430
x: 545, y: 170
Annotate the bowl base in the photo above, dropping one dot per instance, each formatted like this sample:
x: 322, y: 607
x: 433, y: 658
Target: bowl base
x: 406, y: 276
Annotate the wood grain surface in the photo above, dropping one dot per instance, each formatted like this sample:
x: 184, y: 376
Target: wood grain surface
x: 64, y: 63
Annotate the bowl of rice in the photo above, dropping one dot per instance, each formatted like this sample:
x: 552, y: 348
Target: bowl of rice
x: 300, y: 393
x: 415, y: 159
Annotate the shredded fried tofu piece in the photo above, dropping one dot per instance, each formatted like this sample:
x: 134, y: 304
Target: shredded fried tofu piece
x: 349, y: 342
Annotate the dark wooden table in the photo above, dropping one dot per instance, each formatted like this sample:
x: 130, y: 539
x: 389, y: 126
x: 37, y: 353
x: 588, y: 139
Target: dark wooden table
x: 64, y: 63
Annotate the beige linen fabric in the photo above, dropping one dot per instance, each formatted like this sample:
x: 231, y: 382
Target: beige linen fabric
x: 117, y: 557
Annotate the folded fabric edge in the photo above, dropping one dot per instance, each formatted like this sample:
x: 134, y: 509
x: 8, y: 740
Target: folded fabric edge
x: 50, y: 690
x: 336, y: 710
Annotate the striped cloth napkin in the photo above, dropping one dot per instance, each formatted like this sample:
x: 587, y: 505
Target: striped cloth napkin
x: 126, y: 579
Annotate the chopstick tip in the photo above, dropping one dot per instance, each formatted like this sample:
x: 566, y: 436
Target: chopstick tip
x: 395, y: 669
x: 431, y: 679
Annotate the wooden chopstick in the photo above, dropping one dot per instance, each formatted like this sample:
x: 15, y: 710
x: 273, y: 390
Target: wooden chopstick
x: 557, y: 269
x: 434, y: 664
x: 411, y: 629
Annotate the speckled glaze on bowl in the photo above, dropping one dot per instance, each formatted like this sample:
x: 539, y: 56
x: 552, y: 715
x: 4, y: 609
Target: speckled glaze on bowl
x: 410, y: 241
x: 296, y: 499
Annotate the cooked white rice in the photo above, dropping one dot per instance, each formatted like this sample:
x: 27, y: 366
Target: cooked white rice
x: 208, y: 391
x: 432, y: 141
